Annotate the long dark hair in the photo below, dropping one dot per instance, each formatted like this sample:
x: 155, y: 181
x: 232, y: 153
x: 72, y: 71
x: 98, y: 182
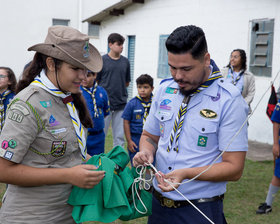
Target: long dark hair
x: 243, y: 59
x: 11, y: 77
x: 35, y: 67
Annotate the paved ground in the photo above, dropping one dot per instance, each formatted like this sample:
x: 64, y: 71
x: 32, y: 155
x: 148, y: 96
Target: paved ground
x: 259, y: 151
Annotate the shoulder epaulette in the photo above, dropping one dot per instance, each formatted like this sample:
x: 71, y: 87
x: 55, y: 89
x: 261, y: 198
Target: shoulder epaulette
x: 164, y: 80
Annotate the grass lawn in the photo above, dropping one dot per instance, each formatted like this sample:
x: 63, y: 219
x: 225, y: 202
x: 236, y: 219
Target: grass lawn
x: 242, y: 197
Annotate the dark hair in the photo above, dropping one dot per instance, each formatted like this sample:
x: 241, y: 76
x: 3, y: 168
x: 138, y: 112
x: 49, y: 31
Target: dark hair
x: 11, y: 77
x: 187, y: 39
x: 115, y: 37
x: 30, y: 72
x: 243, y: 58
x: 145, y: 79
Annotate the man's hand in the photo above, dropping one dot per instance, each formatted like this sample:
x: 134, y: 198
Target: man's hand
x: 142, y: 158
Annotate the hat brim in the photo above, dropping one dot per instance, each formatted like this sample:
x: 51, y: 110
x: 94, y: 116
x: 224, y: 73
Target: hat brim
x: 93, y: 62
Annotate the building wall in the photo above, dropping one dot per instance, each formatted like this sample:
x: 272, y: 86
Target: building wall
x: 226, y: 25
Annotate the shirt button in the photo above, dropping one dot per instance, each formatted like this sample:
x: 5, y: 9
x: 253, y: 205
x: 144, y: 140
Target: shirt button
x: 162, y: 118
x: 170, y: 168
x: 222, y: 81
x: 203, y: 129
x: 174, y: 149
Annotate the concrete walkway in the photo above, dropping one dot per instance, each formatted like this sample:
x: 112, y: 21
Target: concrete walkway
x: 259, y: 151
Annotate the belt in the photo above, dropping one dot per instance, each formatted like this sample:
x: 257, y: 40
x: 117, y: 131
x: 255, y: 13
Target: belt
x: 167, y: 202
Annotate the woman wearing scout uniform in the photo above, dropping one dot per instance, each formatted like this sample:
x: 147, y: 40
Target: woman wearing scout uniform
x: 43, y: 139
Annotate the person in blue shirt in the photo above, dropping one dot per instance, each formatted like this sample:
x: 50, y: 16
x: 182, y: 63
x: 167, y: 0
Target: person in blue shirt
x: 136, y: 112
x: 274, y: 186
x: 7, y: 91
x: 98, y: 106
x: 192, y: 127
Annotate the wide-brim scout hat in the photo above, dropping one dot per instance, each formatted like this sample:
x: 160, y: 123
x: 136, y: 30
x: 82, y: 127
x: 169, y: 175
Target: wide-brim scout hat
x: 71, y: 46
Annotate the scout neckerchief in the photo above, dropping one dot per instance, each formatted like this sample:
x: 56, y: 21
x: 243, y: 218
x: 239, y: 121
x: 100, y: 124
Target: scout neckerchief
x: 147, y: 106
x: 177, y: 128
x: 43, y: 82
x: 91, y: 92
x: 2, y: 108
x: 234, y: 82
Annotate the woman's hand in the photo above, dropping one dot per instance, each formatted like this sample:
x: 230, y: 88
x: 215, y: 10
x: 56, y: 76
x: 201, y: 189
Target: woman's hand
x: 85, y: 176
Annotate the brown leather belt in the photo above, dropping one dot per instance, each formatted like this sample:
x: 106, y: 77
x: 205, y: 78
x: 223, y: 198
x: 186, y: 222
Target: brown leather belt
x: 176, y: 204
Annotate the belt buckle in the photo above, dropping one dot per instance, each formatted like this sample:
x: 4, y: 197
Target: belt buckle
x: 168, y: 203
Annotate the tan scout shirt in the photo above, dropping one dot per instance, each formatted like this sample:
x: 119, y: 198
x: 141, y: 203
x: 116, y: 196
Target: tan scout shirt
x: 38, y: 132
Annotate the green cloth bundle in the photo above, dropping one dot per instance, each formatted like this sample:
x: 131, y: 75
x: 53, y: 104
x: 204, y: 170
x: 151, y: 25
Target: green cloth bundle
x: 112, y: 198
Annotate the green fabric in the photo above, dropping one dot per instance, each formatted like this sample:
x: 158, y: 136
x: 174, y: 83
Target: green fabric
x: 112, y: 197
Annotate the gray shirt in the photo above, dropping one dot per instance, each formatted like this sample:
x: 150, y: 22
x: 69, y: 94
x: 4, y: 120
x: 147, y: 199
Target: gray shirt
x: 113, y: 78
x: 43, y: 139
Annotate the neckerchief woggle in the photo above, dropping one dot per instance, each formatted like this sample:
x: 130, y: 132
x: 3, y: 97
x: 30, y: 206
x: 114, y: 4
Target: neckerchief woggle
x: 147, y: 106
x: 177, y: 128
x: 234, y: 82
x: 2, y: 108
x: 43, y: 82
x: 91, y: 92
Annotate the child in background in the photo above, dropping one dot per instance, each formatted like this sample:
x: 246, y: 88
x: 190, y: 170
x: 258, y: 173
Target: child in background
x: 136, y: 112
x: 274, y: 186
x: 7, y: 91
x: 98, y: 106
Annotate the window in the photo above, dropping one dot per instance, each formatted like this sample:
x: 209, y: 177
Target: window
x: 163, y: 68
x: 62, y: 22
x: 93, y: 30
x: 130, y: 57
x: 261, y: 47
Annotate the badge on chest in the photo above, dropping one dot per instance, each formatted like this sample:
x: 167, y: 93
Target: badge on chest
x: 58, y: 148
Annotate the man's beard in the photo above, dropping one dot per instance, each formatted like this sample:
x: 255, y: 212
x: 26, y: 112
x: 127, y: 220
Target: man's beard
x: 189, y: 92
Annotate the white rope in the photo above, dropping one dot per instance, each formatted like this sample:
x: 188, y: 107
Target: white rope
x: 172, y: 185
x: 143, y: 180
x: 143, y: 184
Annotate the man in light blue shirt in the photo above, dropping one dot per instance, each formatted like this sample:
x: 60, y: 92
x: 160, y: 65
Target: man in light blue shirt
x: 193, y: 119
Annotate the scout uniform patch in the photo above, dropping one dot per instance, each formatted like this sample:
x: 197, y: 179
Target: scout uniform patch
x: 202, y: 141
x: 5, y: 144
x: 207, y: 113
x: 19, y: 114
x: 164, y: 104
x: 58, y: 148
x: 8, y: 155
x: 171, y: 90
x: 46, y: 104
x: 12, y: 143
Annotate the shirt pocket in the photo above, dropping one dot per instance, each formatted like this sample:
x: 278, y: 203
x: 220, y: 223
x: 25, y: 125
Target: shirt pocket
x: 205, y: 133
x: 165, y: 123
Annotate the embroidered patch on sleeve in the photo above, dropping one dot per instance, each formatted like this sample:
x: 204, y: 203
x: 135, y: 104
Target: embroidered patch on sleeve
x: 202, y: 141
x: 12, y: 143
x: 14, y: 116
x: 8, y: 155
x: 20, y: 108
x: 5, y: 144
